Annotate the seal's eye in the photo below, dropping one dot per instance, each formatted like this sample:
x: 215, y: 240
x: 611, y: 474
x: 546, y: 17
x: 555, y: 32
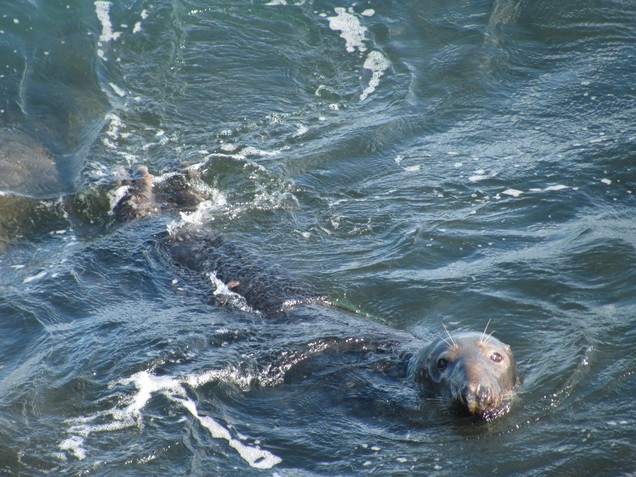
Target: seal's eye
x: 496, y: 357
x: 441, y: 364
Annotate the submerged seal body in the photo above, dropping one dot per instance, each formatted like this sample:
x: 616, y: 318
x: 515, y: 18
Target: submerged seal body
x: 470, y: 372
x: 26, y: 166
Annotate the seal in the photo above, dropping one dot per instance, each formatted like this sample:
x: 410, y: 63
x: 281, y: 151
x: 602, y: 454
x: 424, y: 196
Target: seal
x: 138, y: 198
x: 471, y: 372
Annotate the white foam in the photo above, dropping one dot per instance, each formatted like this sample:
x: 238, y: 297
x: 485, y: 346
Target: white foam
x: 74, y: 445
x: 108, y: 143
x: 131, y: 414
x: 243, y: 154
x: 252, y: 151
x: 254, y: 456
x: 229, y: 147
x: 377, y: 63
x: 117, y: 89
x: 480, y: 175
x: 112, y: 130
x: 102, y: 10
x: 202, y: 213
x: 556, y: 187
x: 301, y: 130
x: 350, y: 28
x: 225, y: 375
x: 512, y: 192
x: 137, y: 27
x: 37, y: 276
x: 223, y: 292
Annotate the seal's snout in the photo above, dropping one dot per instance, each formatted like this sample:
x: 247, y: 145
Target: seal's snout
x: 478, y: 398
x: 478, y: 389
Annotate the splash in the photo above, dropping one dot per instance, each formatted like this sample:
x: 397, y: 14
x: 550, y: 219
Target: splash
x: 129, y: 413
x: 202, y: 214
x: 225, y: 295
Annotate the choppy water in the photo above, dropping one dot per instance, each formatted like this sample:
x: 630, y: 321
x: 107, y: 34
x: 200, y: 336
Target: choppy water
x: 423, y: 162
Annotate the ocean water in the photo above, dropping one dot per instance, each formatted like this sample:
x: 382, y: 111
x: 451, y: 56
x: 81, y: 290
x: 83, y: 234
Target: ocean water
x: 424, y: 164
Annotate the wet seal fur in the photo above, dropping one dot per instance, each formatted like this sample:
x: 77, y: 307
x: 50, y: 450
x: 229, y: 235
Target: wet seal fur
x: 470, y: 373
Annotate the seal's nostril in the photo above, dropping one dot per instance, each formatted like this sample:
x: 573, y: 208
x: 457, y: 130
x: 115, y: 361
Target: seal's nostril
x: 477, y: 389
x: 476, y: 397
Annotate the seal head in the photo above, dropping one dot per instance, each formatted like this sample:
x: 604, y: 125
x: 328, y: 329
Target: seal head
x: 472, y: 372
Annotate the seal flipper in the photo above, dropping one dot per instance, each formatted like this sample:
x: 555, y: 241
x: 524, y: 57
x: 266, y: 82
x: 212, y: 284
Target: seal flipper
x: 138, y: 200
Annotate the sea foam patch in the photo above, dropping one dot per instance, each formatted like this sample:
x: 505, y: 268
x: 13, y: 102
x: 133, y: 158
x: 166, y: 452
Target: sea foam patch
x: 129, y: 413
x: 202, y: 214
x: 377, y: 63
x: 137, y: 27
x: 347, y: 22
x: 512, y: 192
x: 112, y: 132
x: 350, y: 28
x: 102, y: 10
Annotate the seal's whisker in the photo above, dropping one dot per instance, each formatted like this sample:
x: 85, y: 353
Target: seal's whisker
x: 446, y: 341
x: 483, y: 335
x: 439, y: 402
x: 452, y: 343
